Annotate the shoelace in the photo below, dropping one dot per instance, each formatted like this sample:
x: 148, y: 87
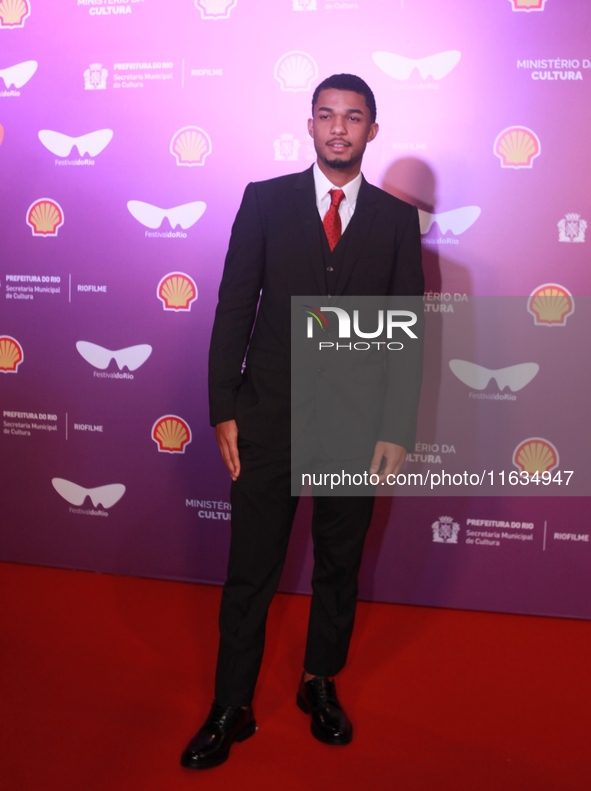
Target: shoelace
x: 325, y: 692
x: 220, y: 714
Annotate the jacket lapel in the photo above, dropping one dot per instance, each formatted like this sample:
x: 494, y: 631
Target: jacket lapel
x: 358, y: 230
x: 305, y: 200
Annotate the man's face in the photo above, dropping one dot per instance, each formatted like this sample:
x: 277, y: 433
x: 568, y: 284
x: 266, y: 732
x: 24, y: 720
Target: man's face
x: 341, y: 128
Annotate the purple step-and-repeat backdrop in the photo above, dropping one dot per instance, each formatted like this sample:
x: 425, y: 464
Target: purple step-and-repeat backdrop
x: 129, y: 129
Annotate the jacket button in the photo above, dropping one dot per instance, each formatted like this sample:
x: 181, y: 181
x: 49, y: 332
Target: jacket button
x: 329, y: 269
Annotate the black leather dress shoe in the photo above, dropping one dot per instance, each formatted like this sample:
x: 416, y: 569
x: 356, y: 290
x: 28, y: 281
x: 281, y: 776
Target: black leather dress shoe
x: 211, y: 745
x: 330, y: 724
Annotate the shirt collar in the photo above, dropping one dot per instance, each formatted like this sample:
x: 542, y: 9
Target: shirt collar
x: 323, y: 185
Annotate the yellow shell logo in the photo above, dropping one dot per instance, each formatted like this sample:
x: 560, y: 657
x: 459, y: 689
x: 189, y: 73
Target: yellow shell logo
x: 11, y: 354
x: 190, y: 146
x: 45, y: 217
x: 535, y: 455
x: 528, y: 5
x: 171, y: 434
x: 296, y: 71
x: 13, y: 13
x: 517, y: 147
x: 177, y: 291
x: 551, y: 305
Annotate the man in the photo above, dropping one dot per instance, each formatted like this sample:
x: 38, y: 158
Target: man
x: 322, y: 232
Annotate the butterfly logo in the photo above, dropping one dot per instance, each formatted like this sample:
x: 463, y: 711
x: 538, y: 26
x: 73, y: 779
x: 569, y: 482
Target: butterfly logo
x: 151, y: 216
x: 516, y: 377
x: 456, y: 220
x: 61, y: 145
x: 106, y: 496
x: 19, y: 74
x: 132, y: 357
x: 399, y: 67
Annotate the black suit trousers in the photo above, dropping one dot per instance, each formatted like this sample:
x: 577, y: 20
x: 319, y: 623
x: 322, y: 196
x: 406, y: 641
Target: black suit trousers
x: 262, y: 514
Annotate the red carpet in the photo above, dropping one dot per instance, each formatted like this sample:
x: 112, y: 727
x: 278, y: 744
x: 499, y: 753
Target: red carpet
x: 104, y: 679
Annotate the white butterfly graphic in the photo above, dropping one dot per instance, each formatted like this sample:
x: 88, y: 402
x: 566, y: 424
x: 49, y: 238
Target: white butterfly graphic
x: 151, y: 216
x: 101, y: 495
x: 19, y: 74
x: 97, y: 356
x: 399, y: 67
x: 476, y: 376
x: 456, y: 220
x: 61, y: 145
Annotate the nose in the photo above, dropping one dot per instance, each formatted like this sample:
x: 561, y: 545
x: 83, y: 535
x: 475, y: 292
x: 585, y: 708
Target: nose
x: 338, y: 126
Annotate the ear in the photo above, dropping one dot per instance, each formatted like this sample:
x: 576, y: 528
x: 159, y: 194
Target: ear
x: 373, y: 130
x: 311, y: 127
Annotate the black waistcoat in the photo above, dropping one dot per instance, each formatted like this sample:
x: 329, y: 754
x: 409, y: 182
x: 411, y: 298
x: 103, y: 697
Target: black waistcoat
x: 333, y: 261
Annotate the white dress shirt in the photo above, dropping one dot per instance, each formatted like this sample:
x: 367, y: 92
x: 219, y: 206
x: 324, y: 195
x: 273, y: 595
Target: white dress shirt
x: 347, y: 205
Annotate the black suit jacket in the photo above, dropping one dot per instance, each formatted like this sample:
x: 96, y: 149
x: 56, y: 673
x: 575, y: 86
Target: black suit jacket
x: 275, y: 252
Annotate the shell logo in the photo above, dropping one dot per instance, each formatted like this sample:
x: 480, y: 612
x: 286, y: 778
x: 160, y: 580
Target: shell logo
x: 528, y: 5
x: 45, y: 217
x: 215, y: 9
x: 535, y: 455
x: 295, y: 71
x: 190, y: 146
x: 551, y: 305
x: 171, y: 434
x: 517, y: 147
x: 1, y: 134
x: 177, y: 291
x: 13, y: 13
x: 11, y: 354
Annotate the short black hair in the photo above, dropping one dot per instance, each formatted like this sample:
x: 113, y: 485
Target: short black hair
x: 348, y: 82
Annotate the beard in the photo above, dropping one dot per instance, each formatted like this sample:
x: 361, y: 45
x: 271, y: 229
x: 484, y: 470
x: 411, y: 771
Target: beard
x: 338, y: 164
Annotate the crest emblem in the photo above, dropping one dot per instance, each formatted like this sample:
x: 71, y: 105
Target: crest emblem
x: 304, y: 5
x: 572, y: 228
x: 95, y: 77
x: 286, y: 148
x: 445, y: 530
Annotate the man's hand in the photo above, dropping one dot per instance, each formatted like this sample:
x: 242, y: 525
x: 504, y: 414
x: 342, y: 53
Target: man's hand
x: 393, y: 457
x: 226, y: 434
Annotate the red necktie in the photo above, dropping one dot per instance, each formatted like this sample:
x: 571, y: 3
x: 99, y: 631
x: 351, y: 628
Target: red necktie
x: 332, y: 220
